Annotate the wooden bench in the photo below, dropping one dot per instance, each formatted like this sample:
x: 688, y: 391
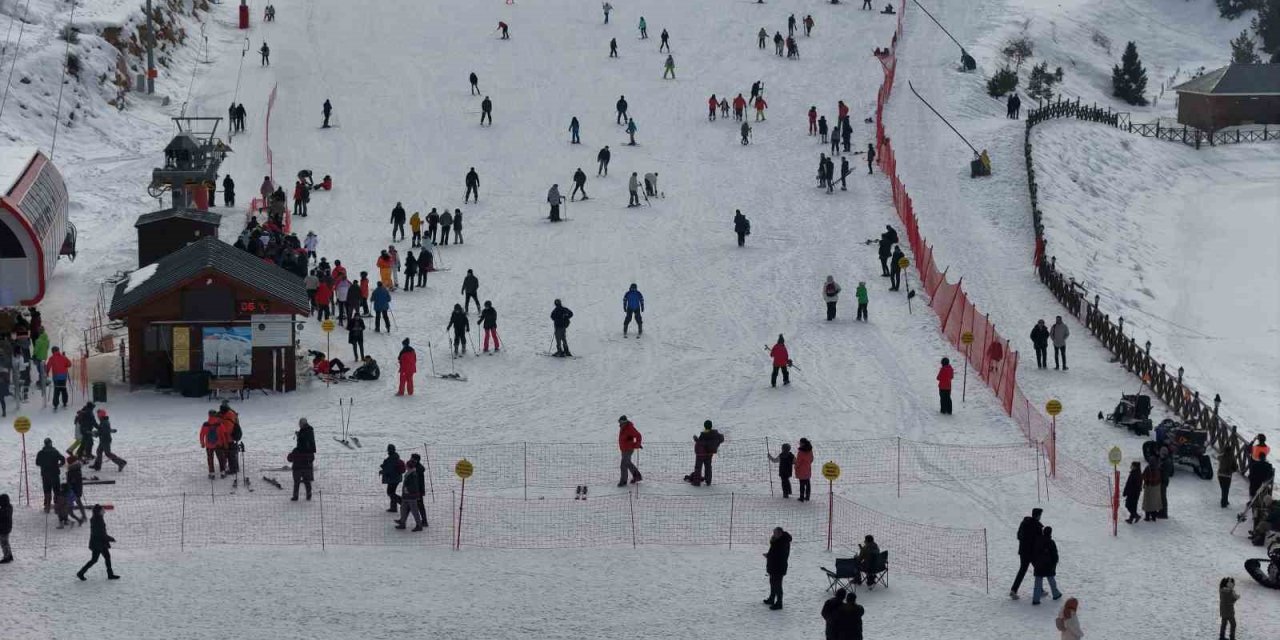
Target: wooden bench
x: 218, y: 385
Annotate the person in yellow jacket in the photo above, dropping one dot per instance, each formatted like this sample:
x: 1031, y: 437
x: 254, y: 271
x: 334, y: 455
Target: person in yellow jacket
x: 415, y: 225
x: 384, y: 269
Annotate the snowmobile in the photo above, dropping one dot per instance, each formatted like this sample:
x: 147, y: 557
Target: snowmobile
x: 1187, y: 446
x: 1133, y: 412
x: 1267, y: 570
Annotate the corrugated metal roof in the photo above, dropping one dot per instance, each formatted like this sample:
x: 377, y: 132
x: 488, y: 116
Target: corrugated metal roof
x: 1236, y: 79
x: 207, y: 217
x: 211, y: 254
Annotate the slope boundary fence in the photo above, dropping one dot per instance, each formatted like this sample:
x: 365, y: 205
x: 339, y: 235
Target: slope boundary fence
x: 1189, y: 136
x: 987, y: 352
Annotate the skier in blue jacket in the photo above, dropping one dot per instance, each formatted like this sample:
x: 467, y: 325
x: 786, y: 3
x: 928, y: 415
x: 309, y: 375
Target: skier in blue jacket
x: 633, y: 305
x: 381, y: 306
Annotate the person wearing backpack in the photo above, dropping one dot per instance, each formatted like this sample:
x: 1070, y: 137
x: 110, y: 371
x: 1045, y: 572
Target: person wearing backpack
x: 209, y: 441
x: 392, y: 472
x: 830, y: 293
x: 708, y: 442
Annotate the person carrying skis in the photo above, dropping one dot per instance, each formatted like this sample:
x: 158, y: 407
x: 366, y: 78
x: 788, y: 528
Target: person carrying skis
x: 104, y: 443
x: 446, y: 225
x: 470, y: 289
x: 573, y: 130
x: 579, y: 184
x: 633, y: 185
x: 895, y: 268
x: 712, y: 103
x: 861, y: 294
x: 489, y: 322
x: 502, y: 26
x: 706, y: 446
x: 473, y: 189
x: 461, y: 325
x: 760, y: 105
x: 100, y: 542
x: 266, y: 54
x: 762, y: 37
x: 392, y: 471
x: 50, y: 463
x: 326, y: 110
x: 665, y: 44
x: 381, y: 306
x: 741, y: 227
x: 228, y: 191
x: 433, y: 220
x: 739, y: 107
x: 830, y: 294
x: 560, y: 317
x: 629, y: 441
x: 622, y: 109
x: 633, y: 305
x: 554, y: 199
x: 945, y: 374
x: 486, y: 111
x: 603, y: 159
x: 781, y: 362
x: 397, y: 221
x: 415, y: 229
x: 631, y: 131
x: 644, y: 29
x: 475, y: 84
x: 746, y: 133
x: 408, y: 360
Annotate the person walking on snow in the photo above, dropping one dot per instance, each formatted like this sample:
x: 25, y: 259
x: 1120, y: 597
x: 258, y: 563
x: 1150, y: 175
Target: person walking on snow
x: 775, y: 565
x: 741, y: 227
x: 760, y: 105
x: 871, y: 157
x: 822, y: 128
x: 1040, y: 341
x: 489, y: 322
x: 622, y: 109
x: 210, y: 442
x: 355, y: 335
x: 228, y: 191
x: 1059, y: 334
x: 746, y: 133
x: 381, y: 306
x: 50, y: 463
x: 412, y: 493
x: 887, y: 240
x: 739, y: 107
x: 392, y: 471
x: 6, y: 527
x: 791, y: 25
x: 579, y: 184
x: 607, y: 9
x: 651, y: 184
x: 603, y: 159
x: 945, y: 374
x: 631, y: 131
x: 706, y: 446
x: 475, y: 84
x: 486, y: 111
x: 861, y: 294
x: 633, y: 185
x: 554, y: 199
x: 808, y: 25
x: 266, y: 54
x: 804, y: 469
x: 1227, y: 597
x: 573, y: 130
x: 560, y: 317
x: 99, y: 543
x: 777, y: 43
x: 781, y: 362
x: 384, y: 269
x: 408, y: 360
x: 104, y: 443
x: 303, y: 463
x: 633, y: 305
x: 326, y: 110
x: 1132, y: 492
x: 397, y: 221
x: 446, y: 225
x: 1045, y: 565
x: 461, y: 326
x: 470, y: 290
x: 1227, y: 467
x: 644, y: 29
x: 457, y: 226
x: 1029, y: 532
x: 712, y: 104
x: 830, y: 294
x: 629, y: 440
x: 433, y: 222
x: 473, y: 190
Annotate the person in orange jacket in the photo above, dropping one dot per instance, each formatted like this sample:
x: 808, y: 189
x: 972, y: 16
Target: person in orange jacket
x: 781, y: 362
x: 210, y: 441
x: 408, y: 367
x: 59, y: 368
x: 229, y: 437
x: 945, y: 374
x: 739, y: 105
x: 629, y: 440
x: 364, y: 294
x: 804, y: 468
x: 384, y: 269
x: 761, y: 105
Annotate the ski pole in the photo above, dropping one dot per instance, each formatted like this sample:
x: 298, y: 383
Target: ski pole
x: 432, y: 358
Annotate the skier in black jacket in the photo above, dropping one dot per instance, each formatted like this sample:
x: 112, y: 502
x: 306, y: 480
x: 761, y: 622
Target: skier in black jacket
x: 707, y: 445
x: 473, y: 186
x: 475, y: 84
x: 741, y: 227
x: 461, y: 325
x: 895, y: 268
x: 470, y: 289
x: 489, y: 322
x: 887, y: 240
x: 579, y: 184
x: 560, y: 317
x: 397, y: 221
x: 228, y: 191
x: 50, y: 463
x: 622, y: 109
x: 603, y: 159
x: 486, y: 111
x: 1028, y: 541
x: 775, y: 564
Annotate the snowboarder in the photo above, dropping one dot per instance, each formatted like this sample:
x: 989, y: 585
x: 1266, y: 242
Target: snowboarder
x: 397, y: 221
x: 781, y: 362
x: 633, y: 185
x: 629, y: 440
x: 776, y: 565
x: 560, y: 317
x: 895, y: 268
x: 822, y: 128
x: 746, y: 133
x: 50, y: 463
x: 887, y: 240
x: 706, y: 446
x: 622, y: 109
x: 1059, y: 334
x: 644, y: 29
x: 104, y: 443
x: 861, y: 294
x: 665, y: 44
x: 741, y: 227
x: 408, y: 360
x: 486, y: 111
x: 1029, y: 532
x: 228, y: 191
x: 651, y: 184
x: 415, y: 230
x: 475, y: 84
x: 739, y: 107
x: 579, y: 184
x: 99, y: 543
x: 1040, y: 341
x: 502, y: 26
x: 461, y: 326
x: 489, y: 322
x: 326, y: 110
x: 603, y: 159
x: 762, y: 37
x: 573, y: 131
x: 945, y: 374
x: 473, y: 189
x: 392, y: 471
x: 830, y: 293
x: 303, y: 463
x: 633, y: 305
x: 631, y: 131
x: 554, y: 199
x: 381, y: 306
x: 446, y: 225
x: 266, y: 54
x: 470, y: 288
x: 760, y: 106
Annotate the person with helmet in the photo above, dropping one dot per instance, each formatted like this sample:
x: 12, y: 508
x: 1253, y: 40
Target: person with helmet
x: 633, y: 305
x: 629, y: 440
x: 104, y: 443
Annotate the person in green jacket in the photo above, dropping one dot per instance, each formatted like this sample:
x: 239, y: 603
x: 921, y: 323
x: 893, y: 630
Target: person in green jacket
x: 644, y: 29
x: 861, y: 293
x: 40, y: 353
x: 631, y: 131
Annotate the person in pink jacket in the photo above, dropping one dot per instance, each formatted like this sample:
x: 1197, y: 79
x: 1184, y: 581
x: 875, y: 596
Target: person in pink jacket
x: 804, y: 467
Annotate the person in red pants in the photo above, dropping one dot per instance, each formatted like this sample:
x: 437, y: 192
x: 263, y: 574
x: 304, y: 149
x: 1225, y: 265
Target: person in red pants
x: 408, y: 367
x: 489, y: 321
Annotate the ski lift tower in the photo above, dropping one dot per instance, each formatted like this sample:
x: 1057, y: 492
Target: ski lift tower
x: 191, y: 162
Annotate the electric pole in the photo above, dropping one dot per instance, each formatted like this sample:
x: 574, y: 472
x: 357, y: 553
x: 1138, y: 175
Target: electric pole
x: 151, y: 53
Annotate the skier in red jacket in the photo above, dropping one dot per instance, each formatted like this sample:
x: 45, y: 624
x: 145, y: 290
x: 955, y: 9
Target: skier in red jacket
x: 629, y: 440
x: 760, y: 105
x: 781, y: 362
x: 408, y: 367
x: 945, y: 374
x: 842, y: 111
x: 712, y: 103
x: 739, y: 105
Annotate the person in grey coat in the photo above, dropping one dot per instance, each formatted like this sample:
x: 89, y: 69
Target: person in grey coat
x: 633, y: 184
x: 1059, y: 334
x: 1227, y: 597
x: 554, y: 199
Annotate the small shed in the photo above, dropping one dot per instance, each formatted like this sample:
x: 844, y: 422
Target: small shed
x: 160, y: 233
x: 191, y: 319
x: 1237, y: 94
x: 33, y: 224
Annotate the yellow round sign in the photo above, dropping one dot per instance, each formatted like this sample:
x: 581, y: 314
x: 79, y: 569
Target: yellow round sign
x: 967, y: 337
x: 1053, y: 407
x: 22, y: 424
x: 1115, y: 456
x: 463, y: 469
x: 831, y: 471
x: 327, y: 325
x: 904, y: 262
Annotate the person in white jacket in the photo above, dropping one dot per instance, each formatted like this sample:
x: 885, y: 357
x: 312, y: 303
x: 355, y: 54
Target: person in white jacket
x: 830, y: 292
x: 1068, y: 621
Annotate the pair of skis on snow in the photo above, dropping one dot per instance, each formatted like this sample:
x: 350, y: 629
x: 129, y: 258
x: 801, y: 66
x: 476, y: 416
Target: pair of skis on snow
x: 452, y: 375
x: 344, y: 421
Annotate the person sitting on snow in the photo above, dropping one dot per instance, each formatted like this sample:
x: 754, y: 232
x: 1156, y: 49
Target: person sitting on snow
x: 368, y: 369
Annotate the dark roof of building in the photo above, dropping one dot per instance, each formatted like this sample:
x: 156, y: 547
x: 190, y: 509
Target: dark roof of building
x: 210, y: 254
x: 183, y: 141
x: 1236, y: 79
x: 195, y: 215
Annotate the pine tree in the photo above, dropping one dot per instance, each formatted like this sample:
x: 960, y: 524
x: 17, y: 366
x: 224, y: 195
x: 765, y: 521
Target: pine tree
x: 1232, y: 9
x: 1004, y: 81
x: 1242, y: 50
x: 1129, y: 79
x: 1040, y: 86
x: 1267, y: 25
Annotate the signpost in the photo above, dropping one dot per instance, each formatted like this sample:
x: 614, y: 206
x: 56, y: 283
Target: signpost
x: 1114, y: 457
x: 22, y: 425
x: 1053, y: 408
x: 967, y: 339
x: 903, y: 263
x: 463, y: 469
x: 830, y: 471
x: 327, y: 326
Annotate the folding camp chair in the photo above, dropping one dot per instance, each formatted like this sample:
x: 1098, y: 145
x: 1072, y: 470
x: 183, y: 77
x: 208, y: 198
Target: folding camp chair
x: 842, y: 577
x: 879, y: 574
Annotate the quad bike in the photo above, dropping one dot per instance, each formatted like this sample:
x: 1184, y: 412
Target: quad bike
x: 1187, y: 446
x: 1133, y: 412
x: 1267, y: 570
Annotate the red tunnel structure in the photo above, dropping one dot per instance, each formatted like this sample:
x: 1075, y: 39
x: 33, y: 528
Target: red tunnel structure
x: 33, y: 224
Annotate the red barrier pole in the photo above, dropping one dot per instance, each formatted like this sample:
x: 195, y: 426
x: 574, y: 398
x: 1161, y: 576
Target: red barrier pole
x: 1115, y: 505
x: 26, y: 477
